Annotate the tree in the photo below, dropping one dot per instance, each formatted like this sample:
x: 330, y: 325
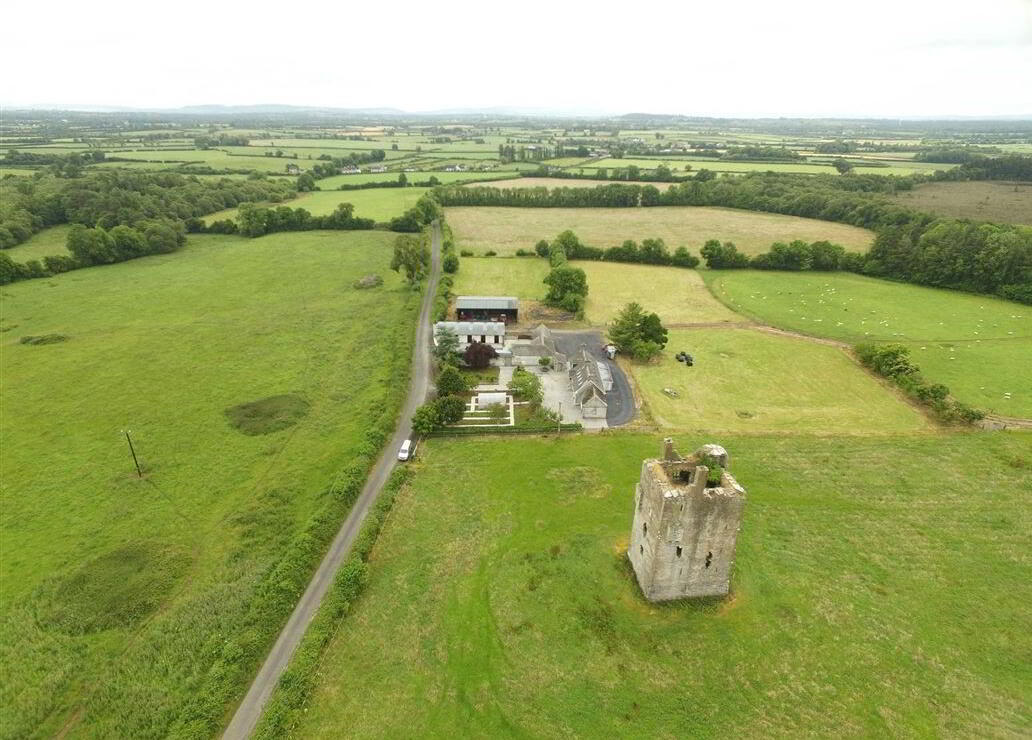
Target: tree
x: 683, y: 258
x: 446, y: 349
x: 127, y: 242
x: 450, y: 381
x: 450, y: 263
x: 90, y: 246
x: 450, y: 409
x: 412, y: 255
x: 653, y: 331
x: 565, y: 281
x: 843, y: 166
x: 723, y: 256
x: 541, y: 248
x: 624, y: 331
x: 426, y: 419
x: 527, y: 386
x: 305, y: 183
x: 479, y: 355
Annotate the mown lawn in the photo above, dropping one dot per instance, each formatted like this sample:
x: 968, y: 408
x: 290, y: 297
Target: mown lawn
x: 507, y: 229
x: 517, y: 276
x: 745, y: 380
x: 119, y: 593
x: 980, y: 347
x: 880, y: 589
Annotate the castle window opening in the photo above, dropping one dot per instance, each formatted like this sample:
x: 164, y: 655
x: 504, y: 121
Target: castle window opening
x: 678, y: 551
x: 709, y: 559
x: 644, y: 529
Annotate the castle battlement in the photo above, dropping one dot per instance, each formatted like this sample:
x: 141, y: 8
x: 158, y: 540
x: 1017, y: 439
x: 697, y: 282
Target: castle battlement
x: 685, y: 527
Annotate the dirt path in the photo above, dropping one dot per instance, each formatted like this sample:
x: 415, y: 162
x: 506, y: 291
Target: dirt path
x: 247, y: 715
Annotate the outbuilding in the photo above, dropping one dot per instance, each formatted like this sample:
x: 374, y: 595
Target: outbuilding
x: 488, y: 308
x: 472, y: 332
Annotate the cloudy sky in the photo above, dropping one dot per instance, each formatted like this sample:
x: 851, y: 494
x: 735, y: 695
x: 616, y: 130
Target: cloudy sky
x: 884, y: 58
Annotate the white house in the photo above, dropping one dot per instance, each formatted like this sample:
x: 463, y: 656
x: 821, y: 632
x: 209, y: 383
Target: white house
x: 378, y: 168
x: 471, y: 332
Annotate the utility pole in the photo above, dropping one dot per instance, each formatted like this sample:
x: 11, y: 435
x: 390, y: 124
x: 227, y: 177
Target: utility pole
x: 129, y: 439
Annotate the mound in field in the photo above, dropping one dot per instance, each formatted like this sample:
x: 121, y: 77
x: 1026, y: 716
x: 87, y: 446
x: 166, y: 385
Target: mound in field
x: 116, y: 590
x: 45, y: 339
x: 268, y: 415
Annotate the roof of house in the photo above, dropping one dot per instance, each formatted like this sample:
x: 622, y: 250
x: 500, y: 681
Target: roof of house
x: 487, y: 301
x: 590, y: 393
x: 464, y: 328
x: 584, y: 373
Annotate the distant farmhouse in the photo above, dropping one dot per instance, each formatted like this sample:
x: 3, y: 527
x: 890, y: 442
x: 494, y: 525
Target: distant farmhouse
x: 472, y: 332
x: 378, y: 168
x: 350, y: 169
x: 487, y: 308
x: 293, y: 169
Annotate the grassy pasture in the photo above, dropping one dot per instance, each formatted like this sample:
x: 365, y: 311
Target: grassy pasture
x: 120, y: 593
x: 517, y: 276
x: 500, y: 603
x: 381, y: 204
x: 508, y: 229
x: 986, y: 200
x: 50, y: 241
x: 679, y: 296
x: 980, y: 347
x: 723, y: 165
x: 744, y: 380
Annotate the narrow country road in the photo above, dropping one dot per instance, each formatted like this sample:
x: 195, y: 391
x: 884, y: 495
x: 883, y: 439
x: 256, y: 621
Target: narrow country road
x: 250, y: 710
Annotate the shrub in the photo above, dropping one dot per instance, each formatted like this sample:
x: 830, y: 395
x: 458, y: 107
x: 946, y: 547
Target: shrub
x: 527, y: 386
x: 450, y: 263
x: 466, y: 252
x: 450, y: 381
x: 490, y: 253
x: 644, y: 350
x: 714, y: 470
x: 479, y: 355
x: 541, y: 248
x: 451, y: 409
x: 369, y: 281
x: 426, y: 419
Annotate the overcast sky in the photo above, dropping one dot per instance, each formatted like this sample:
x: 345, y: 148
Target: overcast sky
x: 882, y: 58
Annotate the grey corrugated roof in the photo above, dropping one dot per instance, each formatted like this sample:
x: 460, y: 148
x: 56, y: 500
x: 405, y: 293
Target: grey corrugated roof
x: 462, y: 328
x: 487, y: 301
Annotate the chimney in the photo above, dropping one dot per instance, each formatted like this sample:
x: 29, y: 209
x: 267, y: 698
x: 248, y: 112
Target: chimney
x: 669, y: 453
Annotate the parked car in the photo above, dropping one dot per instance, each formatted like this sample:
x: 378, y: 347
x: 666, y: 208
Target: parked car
x: 408, y: 449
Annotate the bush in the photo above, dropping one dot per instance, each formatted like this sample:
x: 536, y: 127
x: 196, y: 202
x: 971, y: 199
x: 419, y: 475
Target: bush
x: 490, y: 253
x: 479, y: 355
x: 466, y: 253
x: 451, y: 409
x: 714, y: 470
x: 527, y: 386
x: 541, y: 248
x: 426, y: 419
x: 450, y: 263
x: 450, y: 381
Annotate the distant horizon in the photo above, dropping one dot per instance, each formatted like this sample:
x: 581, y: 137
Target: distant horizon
x: 498, y: 110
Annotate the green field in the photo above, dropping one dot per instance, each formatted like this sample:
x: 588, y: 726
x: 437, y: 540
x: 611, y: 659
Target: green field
x: 980, y: 200
x: 980, y: 347
x: 877, y: 592
x: 380, y: 204
x: 679, y: 296
x: 679, y: 166
x: 745, y: 380
x: 516, y: 276
x: 331, y: 183
x: 507, y: 229
x: 48, y: 242
x: 120, y: 594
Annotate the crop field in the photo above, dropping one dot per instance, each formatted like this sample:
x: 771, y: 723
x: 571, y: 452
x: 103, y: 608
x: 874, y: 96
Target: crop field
x: 516, y: 276
x: 507, y: 229
x: 679, y: 296
x: 981, y: 200
x: 977, y: 345
x: 245, y: 396
x: 50, y: 241
x: 745, y: 380
x: 500, y: 604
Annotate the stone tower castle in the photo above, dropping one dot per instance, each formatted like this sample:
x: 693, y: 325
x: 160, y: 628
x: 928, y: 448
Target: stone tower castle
x: 684, y: 532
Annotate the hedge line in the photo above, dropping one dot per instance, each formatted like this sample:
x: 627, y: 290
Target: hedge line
x: 283, y: 583
x: 288, y: 703
x: 466, y: 431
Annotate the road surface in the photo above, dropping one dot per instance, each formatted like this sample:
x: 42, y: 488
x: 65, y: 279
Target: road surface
x: 250, y: 710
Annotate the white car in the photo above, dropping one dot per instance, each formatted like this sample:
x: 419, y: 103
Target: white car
x: 408, y: 449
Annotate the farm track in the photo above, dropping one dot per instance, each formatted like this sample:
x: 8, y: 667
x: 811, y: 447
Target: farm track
x: 249, y: 712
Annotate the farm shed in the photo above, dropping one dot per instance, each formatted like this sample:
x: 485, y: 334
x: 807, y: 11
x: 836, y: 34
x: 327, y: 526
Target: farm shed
x: 487, y: 308
x: 472, y: 332
x: 589, y: 386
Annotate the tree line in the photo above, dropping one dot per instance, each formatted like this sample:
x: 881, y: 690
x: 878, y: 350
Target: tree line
x: 910, y: 245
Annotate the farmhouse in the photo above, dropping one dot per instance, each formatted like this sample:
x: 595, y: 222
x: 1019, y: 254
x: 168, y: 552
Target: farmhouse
x: 588, y: 386
x: 378, y: 168
x: 293, y: 169
x: 472, y: 332
x: 685, y: 525
x: 541, y: 344
x: 487, y: 308
x: 350, y: 169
